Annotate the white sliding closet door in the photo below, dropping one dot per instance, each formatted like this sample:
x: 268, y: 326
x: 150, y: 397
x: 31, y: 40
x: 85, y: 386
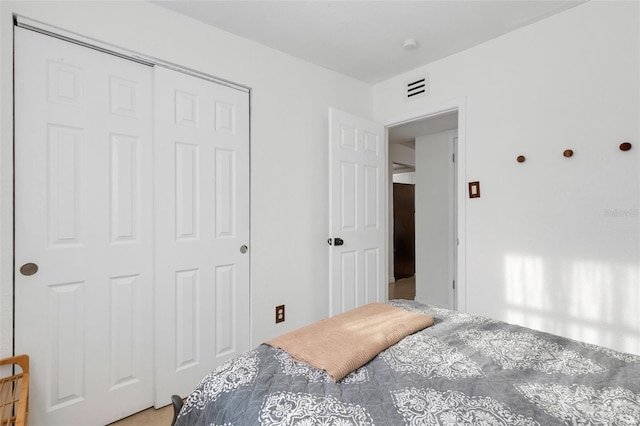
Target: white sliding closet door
x: 131, y: 198
x: 83, y: 187
x: 202, y: 224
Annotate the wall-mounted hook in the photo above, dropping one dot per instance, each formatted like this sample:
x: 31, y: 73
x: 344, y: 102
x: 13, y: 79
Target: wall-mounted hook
x: 625, y: 146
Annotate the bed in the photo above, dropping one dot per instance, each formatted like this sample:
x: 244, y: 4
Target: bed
x: 462, y: 370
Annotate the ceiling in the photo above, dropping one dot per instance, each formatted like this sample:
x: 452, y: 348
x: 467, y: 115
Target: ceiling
x: 364, y: 39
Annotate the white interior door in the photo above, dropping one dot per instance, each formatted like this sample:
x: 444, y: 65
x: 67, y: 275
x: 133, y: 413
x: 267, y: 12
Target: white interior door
x: 83, y: 156
x: 202, y: 224
x: 357, y: 212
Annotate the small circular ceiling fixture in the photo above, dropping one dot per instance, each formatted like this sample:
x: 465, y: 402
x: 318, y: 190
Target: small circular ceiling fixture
x: 410, y: 44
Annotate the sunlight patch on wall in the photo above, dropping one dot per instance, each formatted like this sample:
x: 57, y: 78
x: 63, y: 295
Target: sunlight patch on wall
x: 592, y: 301
x: 603, y: 302
x: 525, y: 285
x: 631, y: 304
x: 592, y: 296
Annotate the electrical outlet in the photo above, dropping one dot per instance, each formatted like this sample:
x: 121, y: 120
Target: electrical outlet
x: 279, y: 313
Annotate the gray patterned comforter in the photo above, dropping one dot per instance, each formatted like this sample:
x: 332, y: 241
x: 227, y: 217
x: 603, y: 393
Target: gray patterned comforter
x: 464, y: 370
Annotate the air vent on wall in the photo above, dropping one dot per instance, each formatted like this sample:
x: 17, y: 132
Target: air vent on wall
x: 417, y: 88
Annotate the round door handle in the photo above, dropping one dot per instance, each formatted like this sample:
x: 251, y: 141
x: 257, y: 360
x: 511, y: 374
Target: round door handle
x: 243, y: 249
x: 28, y: 269
x: 335, y: 241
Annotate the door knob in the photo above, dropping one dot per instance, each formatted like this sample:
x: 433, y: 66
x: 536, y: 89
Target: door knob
x: 335, y: 241
x: 243, y: 249
x: 28, y: 269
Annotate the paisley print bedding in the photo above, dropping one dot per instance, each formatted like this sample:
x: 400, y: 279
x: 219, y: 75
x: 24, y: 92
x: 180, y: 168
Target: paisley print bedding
x: 464, y: 370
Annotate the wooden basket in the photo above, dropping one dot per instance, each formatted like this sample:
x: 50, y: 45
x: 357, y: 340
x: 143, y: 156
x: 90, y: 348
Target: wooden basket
x: 14, y: 392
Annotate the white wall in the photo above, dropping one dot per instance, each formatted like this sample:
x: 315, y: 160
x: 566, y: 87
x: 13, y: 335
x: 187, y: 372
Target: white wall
x: 401, y: 154
x: 290, y: 99
x: 434, y: 218
x: 553, y: 243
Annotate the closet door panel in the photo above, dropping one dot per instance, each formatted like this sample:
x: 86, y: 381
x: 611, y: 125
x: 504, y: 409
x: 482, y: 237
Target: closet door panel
x: 83, y: 187
x: 202, y: 221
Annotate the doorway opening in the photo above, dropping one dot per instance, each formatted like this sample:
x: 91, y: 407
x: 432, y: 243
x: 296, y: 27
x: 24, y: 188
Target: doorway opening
x: 423, y: 218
